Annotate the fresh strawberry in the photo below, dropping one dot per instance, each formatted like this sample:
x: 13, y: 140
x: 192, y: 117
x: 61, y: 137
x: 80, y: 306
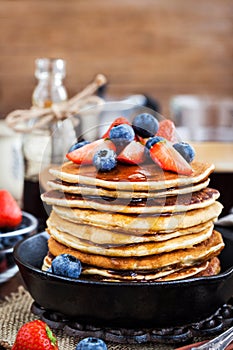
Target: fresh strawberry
x: 35, y: 335
x: 167, y: 130
x: 85, y: 154
x: 165, y: 155
x: 117, y: 121
x: 10, y: 212
x: 133, y: 153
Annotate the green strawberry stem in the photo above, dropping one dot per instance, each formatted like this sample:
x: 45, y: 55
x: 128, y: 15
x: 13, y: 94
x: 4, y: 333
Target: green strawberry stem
x: 50, y: 335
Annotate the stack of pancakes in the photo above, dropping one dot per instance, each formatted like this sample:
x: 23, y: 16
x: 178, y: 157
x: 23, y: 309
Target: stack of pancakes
x: 134, y: 223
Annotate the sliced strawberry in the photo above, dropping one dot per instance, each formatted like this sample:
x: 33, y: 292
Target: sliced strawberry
x: 165, y: 155
x: 10, y: 212
x: 133, y: 153
x: 167, y: 130
x: 142, y: 139
x: 85, y: 154
x: 117, y: 121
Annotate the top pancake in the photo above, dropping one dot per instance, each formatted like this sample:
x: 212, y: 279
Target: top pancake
x: 148, y: 177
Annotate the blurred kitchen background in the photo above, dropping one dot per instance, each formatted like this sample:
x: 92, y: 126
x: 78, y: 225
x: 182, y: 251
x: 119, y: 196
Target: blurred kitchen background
x: 159, y: 48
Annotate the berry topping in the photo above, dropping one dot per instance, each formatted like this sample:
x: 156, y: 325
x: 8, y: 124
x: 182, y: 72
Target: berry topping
x: 164, y: 154
x: 91, y: 343
x: 10, y: 212
x: 122, y: 134
x: 186, y: 150
x: 85, y: 154
x: 35, y: 335
x: 152, y: 140
x: 145, y: 125
x: 78, y: 145
x: 133, y: 153
x: 117, y: 121
x: 66, y: 265
x: 140, y: 142
x: 105, y: 159
x: 167, y: 130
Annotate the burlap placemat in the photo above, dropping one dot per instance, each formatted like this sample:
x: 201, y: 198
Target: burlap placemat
x: 15, y: 310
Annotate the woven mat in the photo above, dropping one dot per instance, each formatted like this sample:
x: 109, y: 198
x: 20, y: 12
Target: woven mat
x: 15, y: 311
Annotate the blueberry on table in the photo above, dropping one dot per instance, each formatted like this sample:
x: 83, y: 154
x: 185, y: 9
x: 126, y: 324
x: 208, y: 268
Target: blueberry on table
x: 105, y: 159
x: 145, y: 125
x: 91, y: 343
x: 78, y: 145
x: 122, y: 134
x: 186, y: 150
x: 66, y: 265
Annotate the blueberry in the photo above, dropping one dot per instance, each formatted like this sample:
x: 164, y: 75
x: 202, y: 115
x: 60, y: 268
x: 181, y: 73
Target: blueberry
x: 78, y: 145
x: 91, y: 343
x: 122, y: 134
x: 9, y: 242
x: 153, y: 140
x: 105, y: 159
x: 66, y: 265
x: 186, y: 150
x: 145, y: 125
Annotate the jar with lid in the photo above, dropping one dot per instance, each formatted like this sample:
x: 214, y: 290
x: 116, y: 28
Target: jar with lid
x: 48, y: 145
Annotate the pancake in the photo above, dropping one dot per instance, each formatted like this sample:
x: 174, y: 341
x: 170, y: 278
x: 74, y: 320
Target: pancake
x: 182, y: 257
x: 141, y: 223
x: 207, y: 268
x: 136, y: 249
x: 147, y: 177
x: 180, y: 203
x: 100, y: 192
x: 210, y: 268
x: 111, y: 238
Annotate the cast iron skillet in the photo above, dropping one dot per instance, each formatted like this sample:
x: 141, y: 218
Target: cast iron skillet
x: 128, y: 305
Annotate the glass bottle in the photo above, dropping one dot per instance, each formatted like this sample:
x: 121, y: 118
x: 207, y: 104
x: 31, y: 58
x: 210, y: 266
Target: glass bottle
x: 43, y: 147
x: 50, y: 88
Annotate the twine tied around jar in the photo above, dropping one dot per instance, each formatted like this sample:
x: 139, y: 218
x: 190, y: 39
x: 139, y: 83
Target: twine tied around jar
x: 18, y: 120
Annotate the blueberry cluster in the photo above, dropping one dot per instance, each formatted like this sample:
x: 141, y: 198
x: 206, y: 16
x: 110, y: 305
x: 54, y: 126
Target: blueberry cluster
x: 124, y: 137
x: 9, y: 242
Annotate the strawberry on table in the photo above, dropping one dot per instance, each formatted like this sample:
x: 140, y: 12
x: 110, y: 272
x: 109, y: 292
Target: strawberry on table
x: 85, y: 154
x: 35, y: 335
x: 116, y: 122
x: 167, y: 130
x: 164, y: 154
x: 10, y: 212
x: 133, y: 153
